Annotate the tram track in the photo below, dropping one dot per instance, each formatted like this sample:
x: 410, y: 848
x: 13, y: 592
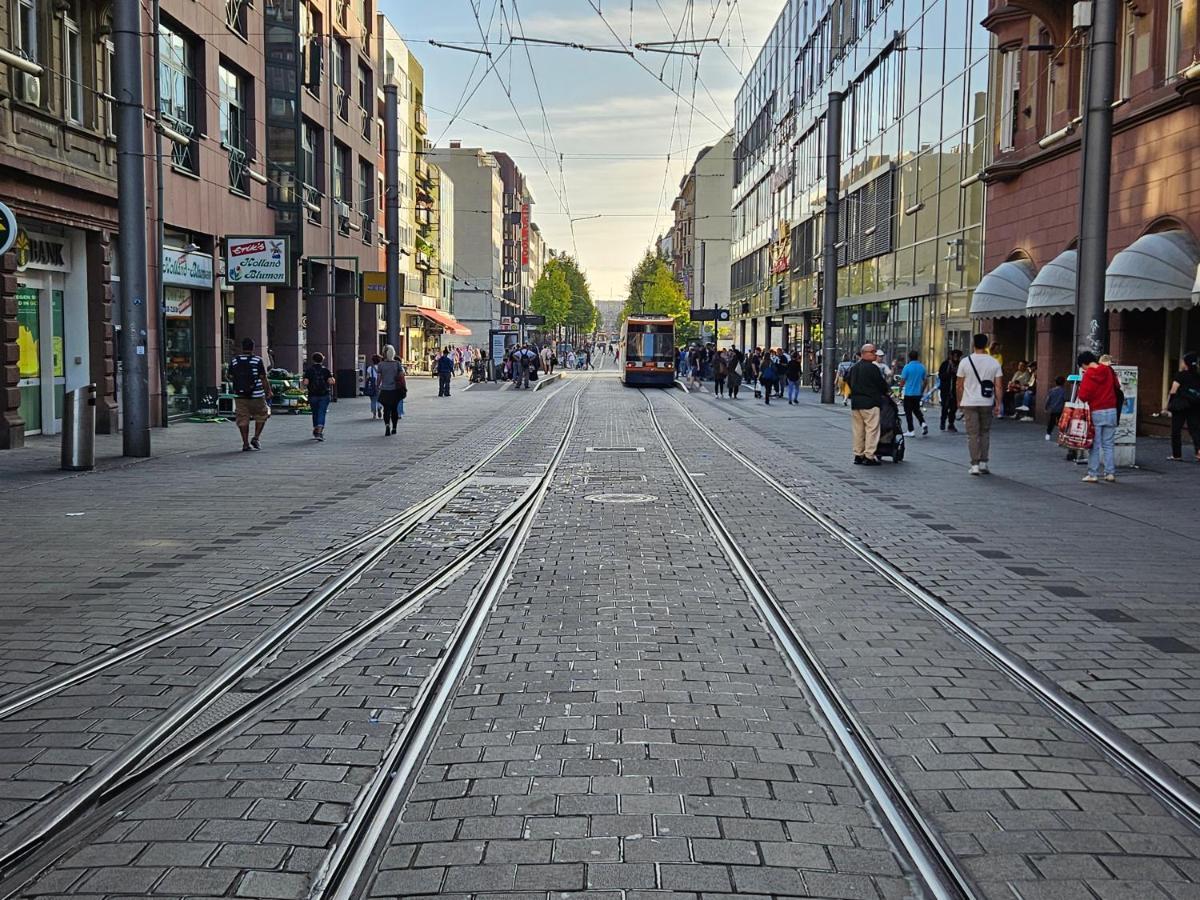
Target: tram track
x: 1125, y: 753
x: 918, y: 838
x: 393, y: 530
x: 178, y: 734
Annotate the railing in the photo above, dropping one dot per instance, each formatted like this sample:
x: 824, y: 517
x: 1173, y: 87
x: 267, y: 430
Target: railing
x: 342, y: 99
x: 312, y: 204
x: 235, y: 15
x: 367, y: 225
x: 367, y: 121
x: 239, y: 180
x: 422, y: 120
x: 343, y: 13
x: 182, y: 155
x: 343, y: 217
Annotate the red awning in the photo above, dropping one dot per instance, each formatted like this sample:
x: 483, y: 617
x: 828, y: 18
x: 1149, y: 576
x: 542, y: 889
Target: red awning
x: 447, y: 321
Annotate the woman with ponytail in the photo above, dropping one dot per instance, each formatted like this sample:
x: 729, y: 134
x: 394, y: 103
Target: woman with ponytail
x: 1184, y: 405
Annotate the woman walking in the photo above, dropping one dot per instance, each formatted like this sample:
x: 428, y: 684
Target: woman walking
x: 720, y: 372
x: 318, y: 380
x: 392, y: 389
x: 734, y: 379
x: 371, y: 386
x: 792, y: 373
x: 768, y: 377
x: 1184, y: 405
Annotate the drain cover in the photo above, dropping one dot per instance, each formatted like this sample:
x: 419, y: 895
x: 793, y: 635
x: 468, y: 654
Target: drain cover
x: 621, y: 498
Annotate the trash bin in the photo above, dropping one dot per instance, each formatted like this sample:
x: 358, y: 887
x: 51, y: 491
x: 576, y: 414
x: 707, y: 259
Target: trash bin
x: 79, y: 429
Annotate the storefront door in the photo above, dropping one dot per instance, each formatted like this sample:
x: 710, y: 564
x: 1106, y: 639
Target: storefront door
x: 42, y: 361
x: 181, y: 352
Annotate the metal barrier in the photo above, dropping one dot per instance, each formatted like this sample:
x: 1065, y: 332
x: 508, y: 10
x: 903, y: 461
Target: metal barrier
x: 79, y: 429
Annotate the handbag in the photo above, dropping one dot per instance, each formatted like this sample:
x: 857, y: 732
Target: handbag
x: 987, y: 389
x: 1075, y: 428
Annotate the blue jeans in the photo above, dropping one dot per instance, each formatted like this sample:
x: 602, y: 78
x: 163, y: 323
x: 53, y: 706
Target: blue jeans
x: 793, y: 390
x: 1105, y: 423
x: 319, y: 406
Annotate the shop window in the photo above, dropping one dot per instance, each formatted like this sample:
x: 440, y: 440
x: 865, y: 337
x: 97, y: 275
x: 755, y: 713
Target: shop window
x: 1174, y: 36
x: 1010, y: 98
x: 72, y: 67
x: 176, y: 100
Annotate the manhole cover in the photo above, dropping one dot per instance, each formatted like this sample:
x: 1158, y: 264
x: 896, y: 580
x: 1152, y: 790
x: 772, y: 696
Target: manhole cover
x: 621, y: 498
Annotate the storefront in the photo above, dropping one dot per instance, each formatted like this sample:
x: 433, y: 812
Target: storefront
x: 424, y: 327
x: 894, y: 326
x: 187, y: 285
x: 52, y: 323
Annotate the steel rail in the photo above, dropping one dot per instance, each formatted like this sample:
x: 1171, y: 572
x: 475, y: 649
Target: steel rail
x: 932, y: 861
x: 346, y: 869
x: 1127, y: 754
x: 406, y: 521
x: 136, y: 759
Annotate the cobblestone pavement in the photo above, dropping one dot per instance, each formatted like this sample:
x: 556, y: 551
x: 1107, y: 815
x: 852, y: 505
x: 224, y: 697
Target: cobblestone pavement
x: 628, y: 728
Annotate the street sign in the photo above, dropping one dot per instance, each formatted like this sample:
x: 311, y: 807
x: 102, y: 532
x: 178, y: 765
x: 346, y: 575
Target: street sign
x: 8, y: 228
x: 532, y: 320
x: 709, y: 315
x: 374, y: 287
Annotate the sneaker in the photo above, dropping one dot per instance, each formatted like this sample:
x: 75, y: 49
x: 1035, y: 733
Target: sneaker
x: 1090, y: 479
x: 858, y: 460
x: 952, y: 428
x: 1111, y: 479
x: 924, y: 431
x: 941, y: 427
x: 387, y: 430
x: 1047, y: 437
x: 975, y: 470
x: 983, y: 467
x: 1022, y: 408
x: 910, y: 434
x: 255, y: 444
x: 871, y: 461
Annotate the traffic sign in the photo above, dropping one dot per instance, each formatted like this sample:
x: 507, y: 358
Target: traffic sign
x: 8, y: 228
x: 709, y: 315
x: 532, y: 320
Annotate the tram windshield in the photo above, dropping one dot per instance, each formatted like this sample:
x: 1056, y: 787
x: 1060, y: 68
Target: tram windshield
x: 656, y: 342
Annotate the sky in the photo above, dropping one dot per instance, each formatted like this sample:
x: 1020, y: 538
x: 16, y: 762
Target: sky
x: 614, y: 140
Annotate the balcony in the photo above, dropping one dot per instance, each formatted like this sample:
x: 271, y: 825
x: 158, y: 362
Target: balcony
x: 239, y: 179
x: 343, y: 216
x: 421, y: 121
x: 312, y: 204
x: 424, y: 261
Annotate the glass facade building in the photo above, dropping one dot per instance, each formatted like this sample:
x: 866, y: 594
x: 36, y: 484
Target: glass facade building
x: 914, y: 74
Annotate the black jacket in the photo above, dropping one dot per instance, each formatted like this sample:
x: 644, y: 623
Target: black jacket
x: 867, y: 387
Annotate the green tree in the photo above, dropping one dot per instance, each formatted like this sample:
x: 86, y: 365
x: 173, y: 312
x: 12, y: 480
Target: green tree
x: 582, y: 315
x: 654, y: 289
x: 552, y: 296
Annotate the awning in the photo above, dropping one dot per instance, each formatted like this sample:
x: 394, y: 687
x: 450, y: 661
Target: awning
x: 1004, y: 291
x: 1157, y: 271
x: 450, y: 324
x: 1052, y: 290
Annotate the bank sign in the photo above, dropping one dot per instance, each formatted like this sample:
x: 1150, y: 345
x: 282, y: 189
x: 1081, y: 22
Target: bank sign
x: 257, y: 260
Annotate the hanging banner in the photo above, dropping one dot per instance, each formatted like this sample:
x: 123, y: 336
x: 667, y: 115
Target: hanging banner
x: 524, y: 234
x: 257, y: 260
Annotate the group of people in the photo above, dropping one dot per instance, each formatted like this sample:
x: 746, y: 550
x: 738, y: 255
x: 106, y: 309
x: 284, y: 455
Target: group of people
x: 771, y: 372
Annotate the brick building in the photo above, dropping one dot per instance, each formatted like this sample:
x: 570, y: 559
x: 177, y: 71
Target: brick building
x: 1027, y: 297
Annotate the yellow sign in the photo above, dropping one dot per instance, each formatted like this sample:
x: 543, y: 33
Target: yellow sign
x: 374, y: 287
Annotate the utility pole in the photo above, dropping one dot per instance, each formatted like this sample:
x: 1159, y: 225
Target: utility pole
x: 131, y: 211
x: 391, y: 179
x: 833, y: 187
x: 1091, y: 332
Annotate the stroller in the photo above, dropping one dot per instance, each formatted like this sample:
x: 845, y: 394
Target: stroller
x: 891, y: 435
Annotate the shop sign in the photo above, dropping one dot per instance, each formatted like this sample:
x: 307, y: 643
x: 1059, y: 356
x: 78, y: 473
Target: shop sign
x: 38, y: 251
x: 184, y: 269
x: 374, y: 287
x: 178, y: 304
x: 257, y: 260
x: 524, y: 234
x: 8, y: 228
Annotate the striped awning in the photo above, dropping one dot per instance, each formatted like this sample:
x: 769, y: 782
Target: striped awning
x: 1004, y: 291
x: 1052, y: 290
x: 1157, y: 271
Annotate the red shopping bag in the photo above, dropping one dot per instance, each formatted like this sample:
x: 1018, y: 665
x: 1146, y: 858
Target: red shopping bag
x: 1075, y: 429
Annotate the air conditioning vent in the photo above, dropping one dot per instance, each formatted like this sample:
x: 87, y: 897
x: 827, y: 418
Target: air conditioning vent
x: 28, y: 88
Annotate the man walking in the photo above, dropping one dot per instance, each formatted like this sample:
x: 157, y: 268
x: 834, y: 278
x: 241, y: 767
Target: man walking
x: 912, y: 381
x: 947, y: 391
x: 979, y: 390
x: 248, y: 376
x: 867, y: 390
x: 445, y: 369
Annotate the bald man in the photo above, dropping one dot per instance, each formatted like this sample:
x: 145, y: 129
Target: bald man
x: 867, y: 390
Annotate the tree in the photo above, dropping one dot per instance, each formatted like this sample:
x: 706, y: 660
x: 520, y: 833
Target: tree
x: 582, y: 314
x: 552, y: 296
x: 654, y: 289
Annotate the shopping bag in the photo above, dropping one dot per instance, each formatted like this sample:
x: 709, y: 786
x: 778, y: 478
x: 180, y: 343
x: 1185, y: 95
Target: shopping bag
x: 1075, y: 429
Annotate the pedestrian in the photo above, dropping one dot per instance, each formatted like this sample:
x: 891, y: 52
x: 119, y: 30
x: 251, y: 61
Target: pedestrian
x: 781, y: 361
x: 792, y: 373
x: 392, y: 389
x: 720, y: 373
x: 445, y: 369
x: 252, y: 394
x: 1056, y: 402
x: 733, y: 379
x: 587, y: 357
x: 840, y: 384
x: 978, y: 390
x: 318, y: 380
x: 525, y: 361
x: 1099, y: 391
x: 912, y: 387
x: 947, y: 392
x: 1183, y: 403
x: 370, y: 387
x: 868, y: 388
x: 767, y: 377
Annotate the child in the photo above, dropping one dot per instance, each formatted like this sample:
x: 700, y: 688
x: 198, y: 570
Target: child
x: 1056, y: 400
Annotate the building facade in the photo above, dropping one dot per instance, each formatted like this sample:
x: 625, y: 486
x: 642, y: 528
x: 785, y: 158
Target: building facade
x: 701, y: 237
x: 914, y: 74
x: 516, y: 283
x: 1027, y: 298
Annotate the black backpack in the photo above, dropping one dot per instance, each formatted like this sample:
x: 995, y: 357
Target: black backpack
x: 318, y: 381
x: 242, y: 375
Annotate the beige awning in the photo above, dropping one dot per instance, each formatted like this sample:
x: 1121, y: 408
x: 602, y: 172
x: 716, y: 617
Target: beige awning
x: 1052, y: 290
x: 1157, y: 271
x: 1004, y: 291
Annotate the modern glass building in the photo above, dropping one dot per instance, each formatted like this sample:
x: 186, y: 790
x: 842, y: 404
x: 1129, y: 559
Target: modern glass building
x: 914, y: 74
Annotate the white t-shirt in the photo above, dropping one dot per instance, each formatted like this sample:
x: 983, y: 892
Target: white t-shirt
x: 989, y: 369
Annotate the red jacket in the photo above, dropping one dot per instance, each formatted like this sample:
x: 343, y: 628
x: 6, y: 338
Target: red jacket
x: 1099, y: 387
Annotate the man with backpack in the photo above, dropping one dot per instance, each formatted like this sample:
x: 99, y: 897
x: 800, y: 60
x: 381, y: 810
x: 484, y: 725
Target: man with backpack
x: 252, y: 394
x: 318, y: 379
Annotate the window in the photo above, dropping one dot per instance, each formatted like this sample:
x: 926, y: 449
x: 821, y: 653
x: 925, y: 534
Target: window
x: 341, y: 188
x: 176, y: 101
x: 310, y: 41
x: 232, y: 101
x: 338, y: 62
x: 72, y: 66
x: 1174, y: 32
x: 110, y: 122
x: 1010, y: 98
x: 366, y: 198
x: 235, y: 16
x: 27, y: 29
x: 311, y: 143
x: 1128, y: 46
x: 365, y: 105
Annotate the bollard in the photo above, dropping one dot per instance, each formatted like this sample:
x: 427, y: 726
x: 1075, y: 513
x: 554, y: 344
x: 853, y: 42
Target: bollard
x: 79, y: 429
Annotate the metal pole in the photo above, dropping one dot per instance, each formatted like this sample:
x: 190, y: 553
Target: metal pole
x: 833, y: 185
x: 391, y: 178
x: 159, y: 236
x: 331, y: 280
x: 1091, y: 332
x: 131, y: 211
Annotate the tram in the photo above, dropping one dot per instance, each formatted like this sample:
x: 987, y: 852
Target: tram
x: 648, y: 351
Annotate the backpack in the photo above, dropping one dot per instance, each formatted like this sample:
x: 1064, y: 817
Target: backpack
x: 318, y: 381
x: 241, y: 375
x: 370, y: 383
